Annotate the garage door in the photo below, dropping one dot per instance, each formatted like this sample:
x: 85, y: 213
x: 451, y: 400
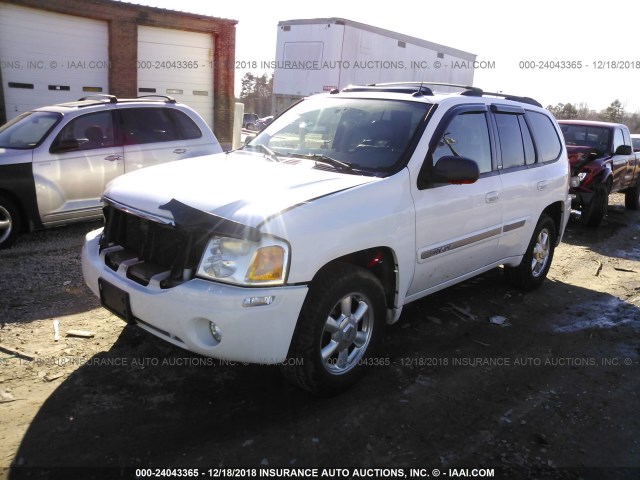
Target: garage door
x: 178, y: 64
x: 48, y: 58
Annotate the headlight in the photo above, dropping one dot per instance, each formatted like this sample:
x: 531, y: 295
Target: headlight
x: 577, y: 180
x: 243, y: 262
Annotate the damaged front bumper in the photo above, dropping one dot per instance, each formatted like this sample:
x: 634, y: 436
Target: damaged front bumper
x: 227, y: 322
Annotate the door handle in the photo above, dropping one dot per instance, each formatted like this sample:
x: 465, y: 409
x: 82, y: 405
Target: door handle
x: 180, y: 150
x: 113, y: 158
x: 492, y: 197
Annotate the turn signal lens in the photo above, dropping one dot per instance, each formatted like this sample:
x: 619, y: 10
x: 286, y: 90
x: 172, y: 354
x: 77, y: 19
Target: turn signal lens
x: 267, y: 264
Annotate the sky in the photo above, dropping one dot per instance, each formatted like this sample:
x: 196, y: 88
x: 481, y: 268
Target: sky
x: 556, y: 51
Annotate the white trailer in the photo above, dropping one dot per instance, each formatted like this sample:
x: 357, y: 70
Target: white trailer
x: 321, y: 54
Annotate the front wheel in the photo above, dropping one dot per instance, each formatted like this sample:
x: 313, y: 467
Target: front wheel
x: 9, y: 222
x: 632, y: 197
x: 338, y: 328
x: 593, y: 213
x: 537, y: 259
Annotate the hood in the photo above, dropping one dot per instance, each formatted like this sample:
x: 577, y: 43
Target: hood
x: 243, y: 187
x: 580, y: 156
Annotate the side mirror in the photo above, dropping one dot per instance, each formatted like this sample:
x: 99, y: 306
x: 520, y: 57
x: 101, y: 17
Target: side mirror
x: 455, y: 170
x: 623, y: 150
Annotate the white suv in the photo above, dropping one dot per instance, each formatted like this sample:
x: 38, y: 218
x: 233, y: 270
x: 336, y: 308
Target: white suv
x: 297, y: 248
x: 55, y: 161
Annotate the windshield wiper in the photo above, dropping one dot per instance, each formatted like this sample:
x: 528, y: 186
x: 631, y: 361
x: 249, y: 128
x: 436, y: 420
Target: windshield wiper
x: 338, y: 164
x: 270, y: 153
x: 273, y: 156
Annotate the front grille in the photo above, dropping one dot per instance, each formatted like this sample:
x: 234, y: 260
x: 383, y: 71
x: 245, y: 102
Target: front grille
x: 150, y: 249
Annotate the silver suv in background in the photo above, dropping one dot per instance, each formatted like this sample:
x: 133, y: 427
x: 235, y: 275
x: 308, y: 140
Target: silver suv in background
x: 55, y: 161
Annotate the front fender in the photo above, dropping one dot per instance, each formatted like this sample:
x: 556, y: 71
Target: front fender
x: 16, y: 180
x: 375, y: 215
x: 598, y: 173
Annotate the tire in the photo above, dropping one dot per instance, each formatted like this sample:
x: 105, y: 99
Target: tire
x: 10, y: 222
x: 593, y: 213
x: 536, y: 262
x: 632, y: 197
x: 339, y: 327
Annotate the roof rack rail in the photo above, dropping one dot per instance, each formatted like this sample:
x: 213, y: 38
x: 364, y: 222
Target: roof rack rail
x: 100, y: 96
x: 399, y: 87
x: 467, y: 88
x: 391, y: 86
x: 422, y: 88
x: 166, y: 97
x: 515, y: 98
x: 470, y: 91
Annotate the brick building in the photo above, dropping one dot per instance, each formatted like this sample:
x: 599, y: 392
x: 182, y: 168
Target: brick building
x: 52, y: 52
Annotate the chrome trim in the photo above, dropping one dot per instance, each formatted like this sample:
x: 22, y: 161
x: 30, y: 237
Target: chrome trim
x: 472, y: 239
x: 461, y: 243
x: 138, y: 213
x: 514, y: 226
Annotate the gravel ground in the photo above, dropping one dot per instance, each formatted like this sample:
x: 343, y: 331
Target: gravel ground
x: 552, y: 392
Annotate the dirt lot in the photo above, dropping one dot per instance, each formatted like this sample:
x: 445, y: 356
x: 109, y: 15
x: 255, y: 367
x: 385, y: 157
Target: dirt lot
x: 552, y: 393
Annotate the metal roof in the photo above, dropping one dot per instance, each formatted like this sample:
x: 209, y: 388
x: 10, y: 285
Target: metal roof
x: 381, y: 31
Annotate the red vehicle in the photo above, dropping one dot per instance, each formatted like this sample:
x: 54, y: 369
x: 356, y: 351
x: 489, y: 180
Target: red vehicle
x: 602, y: 162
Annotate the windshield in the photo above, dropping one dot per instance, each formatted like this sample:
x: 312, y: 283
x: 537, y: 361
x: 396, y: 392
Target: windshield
x: 586, y: 136
x: 365, y: 135
x: 27, y: 130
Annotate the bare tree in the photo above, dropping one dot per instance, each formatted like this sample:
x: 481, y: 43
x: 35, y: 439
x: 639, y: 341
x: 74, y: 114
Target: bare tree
x: 615, y: 113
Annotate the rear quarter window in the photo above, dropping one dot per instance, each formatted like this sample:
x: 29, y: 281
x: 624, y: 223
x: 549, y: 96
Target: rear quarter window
x: 545, y: 136
x: 186, y: 127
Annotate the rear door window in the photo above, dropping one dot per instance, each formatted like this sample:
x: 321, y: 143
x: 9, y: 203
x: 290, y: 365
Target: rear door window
x: 147, y: 125
x: 511, y: 144
x: 529, y: 149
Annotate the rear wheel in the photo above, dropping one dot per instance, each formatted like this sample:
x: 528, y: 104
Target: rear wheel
x: 632, y: 197
x: 10, y: 222
x: 537, y: 259
x: 339, y: 327
x: 593, y: 213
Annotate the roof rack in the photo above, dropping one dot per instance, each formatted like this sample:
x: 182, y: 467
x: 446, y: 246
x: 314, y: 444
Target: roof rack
x: 422, y: 88
x: 400, y: 87
x: 166, y: 97
x: 415, y: 88
x: 514, y: 98
x: 100, y: 96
